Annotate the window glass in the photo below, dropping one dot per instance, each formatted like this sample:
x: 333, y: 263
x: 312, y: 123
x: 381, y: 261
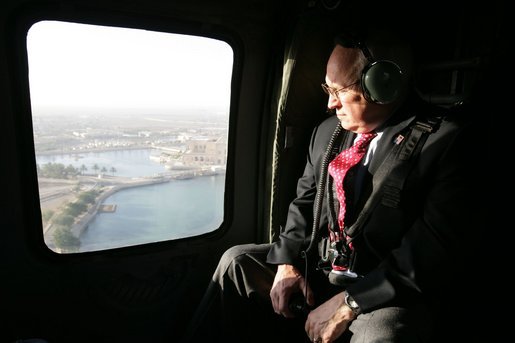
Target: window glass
x: 130, y: 133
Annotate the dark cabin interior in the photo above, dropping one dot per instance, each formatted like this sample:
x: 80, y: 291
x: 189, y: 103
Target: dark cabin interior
x: 148, y: 293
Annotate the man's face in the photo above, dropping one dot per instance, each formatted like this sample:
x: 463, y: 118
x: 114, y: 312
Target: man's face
x: 355, y: 113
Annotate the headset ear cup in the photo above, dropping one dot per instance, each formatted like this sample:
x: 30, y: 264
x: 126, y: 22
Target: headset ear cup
x: 382, y: 82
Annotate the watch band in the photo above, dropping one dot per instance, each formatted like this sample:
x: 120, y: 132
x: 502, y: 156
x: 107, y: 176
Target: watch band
x: 352, y: 304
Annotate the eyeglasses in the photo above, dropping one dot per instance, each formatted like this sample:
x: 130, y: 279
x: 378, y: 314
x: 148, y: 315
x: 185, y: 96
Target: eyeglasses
x: 335, y: 92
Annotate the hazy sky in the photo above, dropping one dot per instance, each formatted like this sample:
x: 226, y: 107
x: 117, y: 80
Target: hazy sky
x: 78, y: 68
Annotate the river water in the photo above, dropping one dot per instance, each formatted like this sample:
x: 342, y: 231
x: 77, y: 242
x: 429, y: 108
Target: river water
x: 175, y: 209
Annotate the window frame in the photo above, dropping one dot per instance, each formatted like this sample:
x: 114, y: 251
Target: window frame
x: 18, y: 59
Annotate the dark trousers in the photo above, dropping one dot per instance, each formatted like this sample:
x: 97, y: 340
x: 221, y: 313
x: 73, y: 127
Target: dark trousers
x: 237, y: 308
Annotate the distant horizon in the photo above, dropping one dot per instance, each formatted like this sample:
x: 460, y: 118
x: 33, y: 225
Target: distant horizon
x: 116, y: 112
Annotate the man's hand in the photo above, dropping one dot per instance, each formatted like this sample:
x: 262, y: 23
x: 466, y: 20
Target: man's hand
x: 288, y: 280
x: 330, y: 320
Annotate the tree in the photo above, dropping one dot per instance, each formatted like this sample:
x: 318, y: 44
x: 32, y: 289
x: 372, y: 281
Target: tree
x: 47, y: 214
x: 74, y: 209
x: 54, y: 170
x: 64, y: 220
x: 96, y: 168
x: 83, y: 168
x: 88, y: 197
x: 70, y: 170
x: 113, y: 170
x: 65, y: 240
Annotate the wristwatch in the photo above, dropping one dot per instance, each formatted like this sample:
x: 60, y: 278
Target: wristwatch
x: 353, y: 305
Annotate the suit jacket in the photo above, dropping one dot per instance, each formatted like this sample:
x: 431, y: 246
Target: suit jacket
x: 416, y: 248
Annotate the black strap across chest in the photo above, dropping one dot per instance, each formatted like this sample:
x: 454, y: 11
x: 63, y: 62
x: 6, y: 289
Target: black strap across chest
x: 388, y: 180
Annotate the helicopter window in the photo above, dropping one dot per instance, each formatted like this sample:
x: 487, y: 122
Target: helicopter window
x: 130, y: 133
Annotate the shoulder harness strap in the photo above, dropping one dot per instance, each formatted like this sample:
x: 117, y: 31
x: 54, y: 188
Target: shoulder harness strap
x: 414, y: 142
x: 391, y: 175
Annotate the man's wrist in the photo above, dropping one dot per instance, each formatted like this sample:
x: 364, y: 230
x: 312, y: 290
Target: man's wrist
x: 351, y: 303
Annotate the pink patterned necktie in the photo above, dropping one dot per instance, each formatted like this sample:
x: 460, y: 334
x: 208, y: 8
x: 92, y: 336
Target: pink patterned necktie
x: 339, y: 167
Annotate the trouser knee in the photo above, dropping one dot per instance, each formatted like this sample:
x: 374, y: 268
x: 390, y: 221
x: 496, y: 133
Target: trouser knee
x: 245, y: 267
x: 232, y: 253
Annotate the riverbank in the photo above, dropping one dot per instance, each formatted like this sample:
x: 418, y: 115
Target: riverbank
x: 82, y: 222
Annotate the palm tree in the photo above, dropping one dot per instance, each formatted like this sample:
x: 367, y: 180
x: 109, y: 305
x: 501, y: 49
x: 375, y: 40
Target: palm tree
x: 83, y: 168
x: 113, y: 170
x: 96, y: 168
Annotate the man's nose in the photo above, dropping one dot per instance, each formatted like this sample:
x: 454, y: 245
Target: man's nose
x: 333, y: 102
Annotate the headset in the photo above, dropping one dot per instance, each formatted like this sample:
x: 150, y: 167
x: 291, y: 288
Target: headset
x: 381, y: 80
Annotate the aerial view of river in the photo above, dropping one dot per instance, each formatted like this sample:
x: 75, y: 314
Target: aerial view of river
x: 175, y: 209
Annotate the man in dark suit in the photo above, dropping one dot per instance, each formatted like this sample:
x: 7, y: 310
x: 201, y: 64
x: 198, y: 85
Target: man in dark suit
x: 377, y: 268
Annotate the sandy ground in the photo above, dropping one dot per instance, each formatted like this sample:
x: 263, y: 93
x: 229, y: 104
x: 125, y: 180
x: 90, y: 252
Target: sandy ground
x: 55, y: 193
